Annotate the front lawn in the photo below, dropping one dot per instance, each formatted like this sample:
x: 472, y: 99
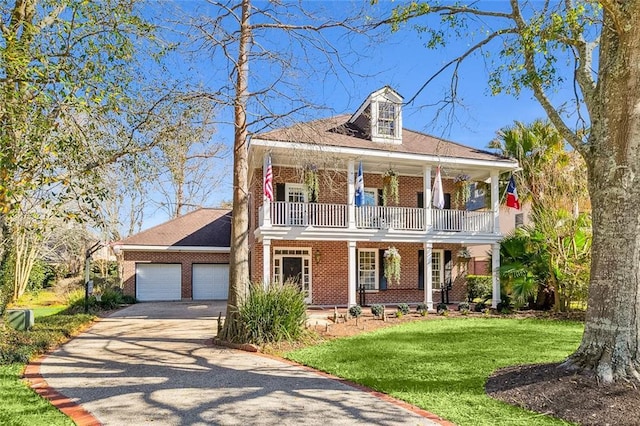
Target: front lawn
x: 442, y: 365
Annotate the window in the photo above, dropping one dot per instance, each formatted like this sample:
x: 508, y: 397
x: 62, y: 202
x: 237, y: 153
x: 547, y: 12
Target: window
x: 386, y: 119
x: 370, y: 197
x: 437, y: 275
x: 436, y: 269
x: 519, y: 220
x: 367, y: 269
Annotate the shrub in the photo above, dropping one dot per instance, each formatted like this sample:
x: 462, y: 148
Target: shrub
x: 479, y: 286
x: 273, y: 314
x: 399, y: 314
x: 355, y: 311
x: 377, y: 310
x: 479, y: 307
x: 128, y: 299
x: 442, y: 309
x: 111, y: 298
x: 422, y: 307
x: 463, y: 306
x: 404, y: 308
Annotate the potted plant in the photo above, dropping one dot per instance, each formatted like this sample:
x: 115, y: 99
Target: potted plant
x: 392, y: 265
x: 390, y: 185
x: 463, y: 189
x: 310, y: 181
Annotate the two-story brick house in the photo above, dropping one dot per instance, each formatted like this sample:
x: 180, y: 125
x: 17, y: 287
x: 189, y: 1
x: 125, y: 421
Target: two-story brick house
x: 316, y: 234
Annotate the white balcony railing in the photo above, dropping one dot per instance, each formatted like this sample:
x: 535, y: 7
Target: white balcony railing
x: 378, y: 217
x: 309, y: 214
x: 462, y: 221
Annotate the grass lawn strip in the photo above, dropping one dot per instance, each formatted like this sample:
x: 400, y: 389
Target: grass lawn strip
x: 21, y: 405
x: 442, y: 366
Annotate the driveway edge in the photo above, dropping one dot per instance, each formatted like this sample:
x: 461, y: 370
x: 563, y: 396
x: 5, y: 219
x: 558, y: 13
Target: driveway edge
x: 71, y: 409
x: 383, y: 396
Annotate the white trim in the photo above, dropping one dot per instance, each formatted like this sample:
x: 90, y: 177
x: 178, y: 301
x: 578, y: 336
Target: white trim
x: 376, y: 271
x: 441, y: 282
x: 201, y: 249
x: 353, y: 273
x: 303, y: 257
x: 501, y: 165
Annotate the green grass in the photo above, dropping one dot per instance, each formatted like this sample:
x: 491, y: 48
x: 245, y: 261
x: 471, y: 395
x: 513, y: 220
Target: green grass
x: 442, y: 365
x: 21, y: 406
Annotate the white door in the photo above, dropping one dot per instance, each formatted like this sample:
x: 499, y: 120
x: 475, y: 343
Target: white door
x: 158, y: 282
x: 296, y: 202
x: 210, y: 281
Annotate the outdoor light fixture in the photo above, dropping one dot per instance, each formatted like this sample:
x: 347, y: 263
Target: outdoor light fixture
x: 316, y: 255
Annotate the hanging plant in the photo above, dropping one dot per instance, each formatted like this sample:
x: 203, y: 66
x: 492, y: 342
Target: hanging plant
x: 310, y: 180
x: 463, y: 189
x: 390, y: 190
x: 392, y: 265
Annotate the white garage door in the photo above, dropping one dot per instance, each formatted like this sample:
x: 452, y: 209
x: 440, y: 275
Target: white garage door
x: 158, y: 281
x: 210, y: 281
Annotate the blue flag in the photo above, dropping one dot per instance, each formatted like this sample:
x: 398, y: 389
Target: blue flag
x: 360, y: 187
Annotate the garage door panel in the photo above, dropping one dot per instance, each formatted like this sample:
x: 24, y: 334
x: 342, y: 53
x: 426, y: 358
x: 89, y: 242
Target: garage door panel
x: 210, y: 281
x: 158, y: 282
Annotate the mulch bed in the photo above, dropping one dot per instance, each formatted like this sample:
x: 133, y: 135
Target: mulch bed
x: 556, y: 391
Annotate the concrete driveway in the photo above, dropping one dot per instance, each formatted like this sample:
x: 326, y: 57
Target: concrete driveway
x: 149, y: 363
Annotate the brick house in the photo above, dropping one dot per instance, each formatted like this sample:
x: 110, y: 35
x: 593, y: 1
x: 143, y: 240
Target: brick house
x: 315, y: 234
x: 186, y: 258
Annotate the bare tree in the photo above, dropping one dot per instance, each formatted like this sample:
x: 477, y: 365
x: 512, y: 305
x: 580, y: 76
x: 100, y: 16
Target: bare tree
x: 277, y: 37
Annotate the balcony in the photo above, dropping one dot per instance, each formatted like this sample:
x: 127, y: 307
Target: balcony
x: 378, y: 217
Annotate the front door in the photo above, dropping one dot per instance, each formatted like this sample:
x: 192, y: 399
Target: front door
x: 294, y: 265
x: 296, y: 199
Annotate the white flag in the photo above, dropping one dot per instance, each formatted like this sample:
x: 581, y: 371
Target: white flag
x: 438, y: 194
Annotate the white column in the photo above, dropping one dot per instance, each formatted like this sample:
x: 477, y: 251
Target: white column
x: 495, y: 274
x: 495, y: 201
x: 426, y: 191
x: 352, y: 281
x: 428, y: 276
x: 266, y: 262
x: 351, y: 194
x: 266, y: 203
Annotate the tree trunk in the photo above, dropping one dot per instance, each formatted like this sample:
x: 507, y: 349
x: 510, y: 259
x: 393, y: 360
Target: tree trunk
x: 610, y: 343
x: 239, y: 268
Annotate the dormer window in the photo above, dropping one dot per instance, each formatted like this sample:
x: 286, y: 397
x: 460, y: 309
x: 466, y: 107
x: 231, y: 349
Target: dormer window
x: 379, y: 118
x: 386, y: 119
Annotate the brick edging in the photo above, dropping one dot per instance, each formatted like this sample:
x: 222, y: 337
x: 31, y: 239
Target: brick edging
x: 39, y: 385
x: 74, y: 411
x: 383, y: 396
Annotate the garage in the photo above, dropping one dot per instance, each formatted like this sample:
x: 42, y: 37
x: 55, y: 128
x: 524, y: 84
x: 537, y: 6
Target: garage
x: 210, y: 281
x: 158, y: 282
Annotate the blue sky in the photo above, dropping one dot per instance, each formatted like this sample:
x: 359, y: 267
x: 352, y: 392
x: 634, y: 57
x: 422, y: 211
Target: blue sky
x: 399, y: 60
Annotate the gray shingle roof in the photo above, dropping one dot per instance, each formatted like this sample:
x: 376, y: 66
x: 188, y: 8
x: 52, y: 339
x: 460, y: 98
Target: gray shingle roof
x: 204, y: 227
x: 336, y: 131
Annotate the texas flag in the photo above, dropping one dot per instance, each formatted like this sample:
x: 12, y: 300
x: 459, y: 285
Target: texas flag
x: 512, y: 195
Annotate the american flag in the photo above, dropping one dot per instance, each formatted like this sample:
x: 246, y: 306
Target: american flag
x: 268, y: 181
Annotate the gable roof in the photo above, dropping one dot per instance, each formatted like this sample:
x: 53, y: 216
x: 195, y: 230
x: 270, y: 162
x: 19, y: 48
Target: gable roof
x: 337, y: 131
x: 205, y: 227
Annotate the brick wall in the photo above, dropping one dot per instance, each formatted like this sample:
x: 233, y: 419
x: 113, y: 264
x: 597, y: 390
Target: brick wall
x: 330, y: 272
x: 131, y: 258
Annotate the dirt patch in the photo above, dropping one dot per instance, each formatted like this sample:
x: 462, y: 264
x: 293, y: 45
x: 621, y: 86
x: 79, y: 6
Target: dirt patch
x: 553, y: 390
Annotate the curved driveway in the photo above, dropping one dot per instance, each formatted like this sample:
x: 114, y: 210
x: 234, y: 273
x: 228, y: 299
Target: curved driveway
x: 149, y: 363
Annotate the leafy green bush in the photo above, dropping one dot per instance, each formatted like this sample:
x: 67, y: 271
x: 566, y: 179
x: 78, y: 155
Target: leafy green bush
x: 377, y: 310
x: 404, y: 308
x: 273, y: 314
x: 355, y: 311
x: 463, y: 306
x: 111, y: 298
x: 128, y: 299
x: 442, y: 309
x: 479, y: 307
x: 422, y: 307
x: 479, y: 286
